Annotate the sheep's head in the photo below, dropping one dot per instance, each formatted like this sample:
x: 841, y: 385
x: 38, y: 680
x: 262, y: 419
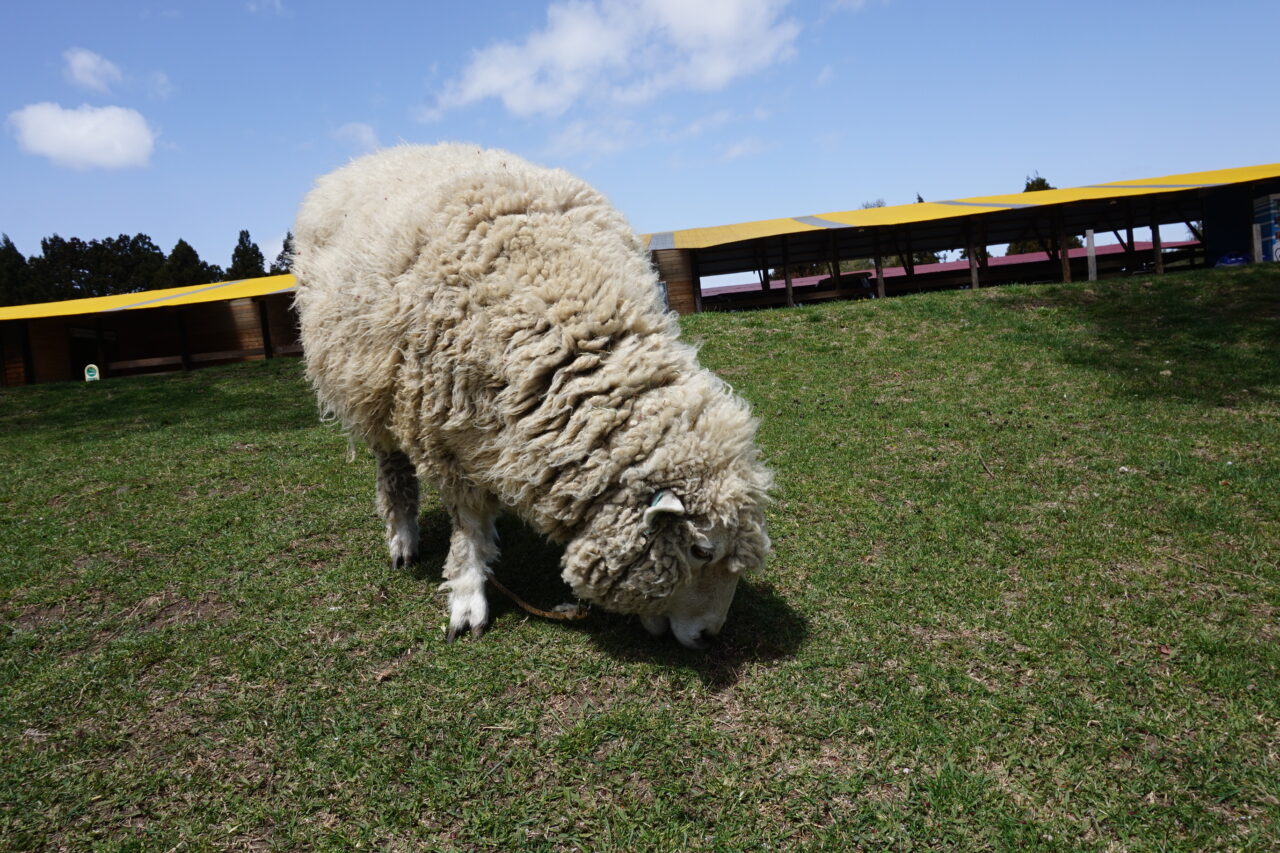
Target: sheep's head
x: 674, y: 559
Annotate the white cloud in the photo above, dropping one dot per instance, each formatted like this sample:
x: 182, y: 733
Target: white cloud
x: 743, y: 148
x: 825, y: 76
x: 274, y: 7
x: 159, y: 85
x: 624, y: 51
x: 595, y: 137
x: 358, y: 135
x: 86, y: 137
x: 699, y: 126
x: 88, y: 70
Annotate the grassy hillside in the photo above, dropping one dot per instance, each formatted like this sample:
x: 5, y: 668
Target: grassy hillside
x: 1026, y: 594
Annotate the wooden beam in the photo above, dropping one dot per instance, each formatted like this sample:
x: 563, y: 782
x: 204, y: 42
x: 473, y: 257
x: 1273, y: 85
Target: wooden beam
x: 972, y: 251
x: 182, y: 337
x: 697, y: 281
x: 1092, y: 253
x: 908, y: 262
x: 264, y: 321
x: 875, y: 239
x: 1156, y: 247
x: 835, y: 259
x: 786, y: 271
x: 1257, y: 243
x: 28, y: 360
x: 1129, y: 223
x: 1045, y: 245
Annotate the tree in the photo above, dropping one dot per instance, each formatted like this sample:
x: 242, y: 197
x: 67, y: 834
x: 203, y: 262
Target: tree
x: 15, y: 275
x: 61, y: 269
x: 122, y: 264
x: 1019, y: 247
x: 246, y: 260
x: 74, y: 269
x: 284, y: 261
x: 184, y: 267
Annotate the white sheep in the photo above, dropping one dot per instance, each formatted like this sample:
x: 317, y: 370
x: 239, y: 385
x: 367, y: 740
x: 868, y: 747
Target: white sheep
x: 496, y: 328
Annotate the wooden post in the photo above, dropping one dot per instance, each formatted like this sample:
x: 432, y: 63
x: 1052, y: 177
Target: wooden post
x: 1093, y: 255
x: 972, y: 252
x: 1257, y: 243
x: 908, y: 257
x: 786, y: 271
x: 182, y: 337
x: 97, y: 345
x: 835, y: 262
x: 879, y: 265
x: 697, y: 281
x: 1064, y: 248
x: 264, y: 322
x: 28, y: 359
x: 1132, y: 249
x: 1156, y: 247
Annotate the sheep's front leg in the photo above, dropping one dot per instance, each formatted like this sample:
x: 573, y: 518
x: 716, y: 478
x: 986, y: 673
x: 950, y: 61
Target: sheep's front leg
x: 473, y: 544
x: 398, y: 505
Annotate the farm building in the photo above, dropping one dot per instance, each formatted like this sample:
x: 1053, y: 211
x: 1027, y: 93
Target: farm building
x: 1223, y: 201
x: 187, y: 327
x: 148, y: 332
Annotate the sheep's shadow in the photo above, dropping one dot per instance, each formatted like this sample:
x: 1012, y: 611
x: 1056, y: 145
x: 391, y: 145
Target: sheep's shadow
x: 761, y: 626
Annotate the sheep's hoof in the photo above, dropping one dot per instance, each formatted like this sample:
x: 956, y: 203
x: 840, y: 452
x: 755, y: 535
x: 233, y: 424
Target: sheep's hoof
x: 403, y: 561
x: 455, y: 631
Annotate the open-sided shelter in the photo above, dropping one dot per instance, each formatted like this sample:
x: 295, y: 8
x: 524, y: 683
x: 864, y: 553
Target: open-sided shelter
x: 1223, y: 200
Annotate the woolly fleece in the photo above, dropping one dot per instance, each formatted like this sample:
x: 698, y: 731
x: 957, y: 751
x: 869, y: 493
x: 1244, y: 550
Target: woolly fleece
x: 501, y: 324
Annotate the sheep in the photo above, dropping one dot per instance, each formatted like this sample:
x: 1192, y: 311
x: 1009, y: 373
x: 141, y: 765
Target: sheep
x: 497, y: 329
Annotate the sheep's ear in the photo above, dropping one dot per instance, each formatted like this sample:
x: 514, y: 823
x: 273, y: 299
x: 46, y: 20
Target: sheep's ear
x: 663, y: 502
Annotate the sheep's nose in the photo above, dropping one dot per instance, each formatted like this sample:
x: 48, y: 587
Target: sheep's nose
x: 701, y: 640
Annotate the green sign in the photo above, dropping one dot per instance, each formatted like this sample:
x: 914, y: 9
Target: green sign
x: 91, y: 373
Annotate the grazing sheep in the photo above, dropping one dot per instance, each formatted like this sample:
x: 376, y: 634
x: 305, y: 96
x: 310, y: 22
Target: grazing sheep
x: 496, y: 328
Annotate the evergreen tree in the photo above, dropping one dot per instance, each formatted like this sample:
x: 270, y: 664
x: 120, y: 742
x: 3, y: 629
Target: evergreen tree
x: 246, y: 260
x: 284, y: 261
x: 15, y: 275
x: 184, y: 267
x: 122, y: 264
x: 1019, y: 247
x: 61, y: 270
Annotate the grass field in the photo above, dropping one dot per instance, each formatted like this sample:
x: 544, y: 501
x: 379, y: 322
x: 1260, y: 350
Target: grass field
x: 1026, y: 594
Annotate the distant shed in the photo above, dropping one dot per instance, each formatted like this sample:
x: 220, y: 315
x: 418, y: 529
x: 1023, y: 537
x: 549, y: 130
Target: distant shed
x: 185, y: 327
x: 1223, y: 200
x: 149, y: 332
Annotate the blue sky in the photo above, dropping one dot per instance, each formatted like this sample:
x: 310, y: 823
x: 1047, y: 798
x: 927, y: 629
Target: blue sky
x: 198, y: 119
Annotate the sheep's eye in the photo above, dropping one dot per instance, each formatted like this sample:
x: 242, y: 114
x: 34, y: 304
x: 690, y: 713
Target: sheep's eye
x: 702, y: 553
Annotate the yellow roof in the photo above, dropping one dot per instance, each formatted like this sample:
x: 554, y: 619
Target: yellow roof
x: 166, y: 298
x: 702, y: 238
x: 697, y: 238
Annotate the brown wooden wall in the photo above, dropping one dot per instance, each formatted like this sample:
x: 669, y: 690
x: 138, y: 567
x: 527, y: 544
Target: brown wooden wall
x: 676, y: 269
x: 149, y: 340
x: 50, y: 354
x: 12, y: 362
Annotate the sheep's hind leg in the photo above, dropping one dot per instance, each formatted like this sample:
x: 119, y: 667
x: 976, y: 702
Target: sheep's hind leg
x: 398, y: 505
x: 473, y: 544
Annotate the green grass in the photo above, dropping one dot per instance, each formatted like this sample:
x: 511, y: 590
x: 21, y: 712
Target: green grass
x: 1026, y: 595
